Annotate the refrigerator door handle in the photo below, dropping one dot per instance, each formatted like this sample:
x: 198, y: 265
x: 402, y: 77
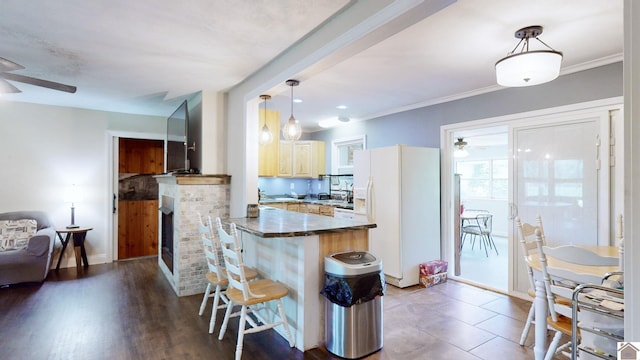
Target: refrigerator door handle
x: 370, y: 208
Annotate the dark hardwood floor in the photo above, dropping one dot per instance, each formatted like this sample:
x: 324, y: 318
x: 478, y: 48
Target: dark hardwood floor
x: 127, y: 310
x: 124, y: 310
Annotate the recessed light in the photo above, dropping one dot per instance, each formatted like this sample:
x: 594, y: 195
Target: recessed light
x: 341, y: 107
x: 297, y: 101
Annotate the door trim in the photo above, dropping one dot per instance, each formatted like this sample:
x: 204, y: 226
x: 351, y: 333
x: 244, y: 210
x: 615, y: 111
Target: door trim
x: 446, y: 148
x: 112, y: 140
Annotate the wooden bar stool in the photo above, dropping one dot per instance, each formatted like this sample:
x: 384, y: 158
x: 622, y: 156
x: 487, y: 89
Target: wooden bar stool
x: 216, y: 276
x: 249, y: 294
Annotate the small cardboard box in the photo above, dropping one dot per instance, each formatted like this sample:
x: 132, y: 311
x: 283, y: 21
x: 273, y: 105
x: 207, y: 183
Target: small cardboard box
x: 431, y: 280
x: 433, y: 267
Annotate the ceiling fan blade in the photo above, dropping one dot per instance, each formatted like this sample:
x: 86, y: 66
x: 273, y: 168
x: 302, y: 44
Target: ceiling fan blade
x: 7, y: 88
x: 8, y: 65
x: 39, y: 82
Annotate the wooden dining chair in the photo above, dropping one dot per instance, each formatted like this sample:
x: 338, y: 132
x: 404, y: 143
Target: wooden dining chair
x: 249, y: 294
x: 528, y: 246
x: 560, y: 282
x: 216, y: 276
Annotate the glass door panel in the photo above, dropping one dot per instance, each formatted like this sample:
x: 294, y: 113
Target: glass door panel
x: 556, y: 175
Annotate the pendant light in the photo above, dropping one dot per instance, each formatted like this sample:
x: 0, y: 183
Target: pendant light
x: 292, y: 130
x: 527, y: 68
x: 460, y: 150
x: 266, y: 137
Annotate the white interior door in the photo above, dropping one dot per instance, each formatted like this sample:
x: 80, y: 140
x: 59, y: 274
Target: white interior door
x: 558, y: 173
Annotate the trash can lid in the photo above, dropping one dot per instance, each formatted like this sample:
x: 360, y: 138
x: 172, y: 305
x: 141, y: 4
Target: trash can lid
x: 352, y: 263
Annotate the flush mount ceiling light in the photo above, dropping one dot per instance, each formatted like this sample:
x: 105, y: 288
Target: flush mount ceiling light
x: 266, y: 137
x: 528, y: 67
x: 460, y: 150
x: 292, y: 130
x: 334, y: 121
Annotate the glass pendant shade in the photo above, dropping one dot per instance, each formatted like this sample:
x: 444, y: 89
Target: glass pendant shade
x: 528, y: 68
x: 292, y: 129
x: 265, y: 137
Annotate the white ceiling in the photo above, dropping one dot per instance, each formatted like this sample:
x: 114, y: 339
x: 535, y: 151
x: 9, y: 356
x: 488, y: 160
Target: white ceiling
x: 145, y: 56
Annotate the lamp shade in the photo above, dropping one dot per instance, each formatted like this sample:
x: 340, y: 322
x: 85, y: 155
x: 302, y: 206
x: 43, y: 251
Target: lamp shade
x: 72, y: 194
x: 528, y: 68
x: 266, y: 137
x: 292, y: 129
x: 460, y: 153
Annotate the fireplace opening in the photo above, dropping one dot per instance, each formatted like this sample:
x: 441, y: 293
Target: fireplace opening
x: 167, y: 231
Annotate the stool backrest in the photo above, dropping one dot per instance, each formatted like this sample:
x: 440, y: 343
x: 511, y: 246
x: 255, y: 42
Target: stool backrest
x: 233, y: 262
x: 212, y: 249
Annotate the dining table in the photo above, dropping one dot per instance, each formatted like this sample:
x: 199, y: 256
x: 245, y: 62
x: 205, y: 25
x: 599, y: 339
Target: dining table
x: 540, y: 301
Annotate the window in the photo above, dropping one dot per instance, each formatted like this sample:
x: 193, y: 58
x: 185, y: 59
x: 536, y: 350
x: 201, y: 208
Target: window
x: 484, y: 179
x: 342, y: 153
x: 562, y: 178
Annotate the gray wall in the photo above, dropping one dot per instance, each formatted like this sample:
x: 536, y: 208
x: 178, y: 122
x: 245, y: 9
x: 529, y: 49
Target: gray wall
x: 421, y: 127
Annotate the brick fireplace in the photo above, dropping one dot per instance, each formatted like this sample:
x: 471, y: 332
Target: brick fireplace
x: 189, y: 195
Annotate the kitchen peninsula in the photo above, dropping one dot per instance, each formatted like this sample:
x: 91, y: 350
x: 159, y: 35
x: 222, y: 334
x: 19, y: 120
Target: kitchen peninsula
x: 290, y: 247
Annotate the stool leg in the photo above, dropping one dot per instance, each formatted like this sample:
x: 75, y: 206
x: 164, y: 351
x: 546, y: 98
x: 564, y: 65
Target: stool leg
x: 241, y: 326
x: 214, y: 311
x: 205, y: 298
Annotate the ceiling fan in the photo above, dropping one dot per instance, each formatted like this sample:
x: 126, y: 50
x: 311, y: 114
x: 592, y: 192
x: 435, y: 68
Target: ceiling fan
x: 6, y: 87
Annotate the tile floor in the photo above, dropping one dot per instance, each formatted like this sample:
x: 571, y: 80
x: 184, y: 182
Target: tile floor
x: 453, y: 321
x: 492, y: 270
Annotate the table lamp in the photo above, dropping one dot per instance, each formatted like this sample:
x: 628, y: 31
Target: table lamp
x: 72, y: 196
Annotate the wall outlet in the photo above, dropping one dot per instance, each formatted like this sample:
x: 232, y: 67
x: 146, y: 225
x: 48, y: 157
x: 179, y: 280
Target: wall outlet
x: 291, y: 186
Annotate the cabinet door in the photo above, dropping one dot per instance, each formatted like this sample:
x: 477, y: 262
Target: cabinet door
x: 326, y: 210
x: 308, y: 159
x: 285, y: 167
x: 302, y: 159
x: 268, y: 154
x: 313, y: 208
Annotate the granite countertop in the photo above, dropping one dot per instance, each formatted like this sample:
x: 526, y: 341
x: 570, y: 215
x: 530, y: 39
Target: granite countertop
x: 274, y: 222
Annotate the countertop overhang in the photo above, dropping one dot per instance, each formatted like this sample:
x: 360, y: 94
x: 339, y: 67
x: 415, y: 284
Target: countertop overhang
x: 335, y: 203
x: 274, y: 222
x: 193, y: 179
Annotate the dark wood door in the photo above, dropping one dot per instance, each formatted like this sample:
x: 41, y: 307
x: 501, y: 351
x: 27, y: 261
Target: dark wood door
x: 139, y: 160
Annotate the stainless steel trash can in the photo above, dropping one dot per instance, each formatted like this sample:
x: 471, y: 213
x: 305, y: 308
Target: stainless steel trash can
x: 353, y: 331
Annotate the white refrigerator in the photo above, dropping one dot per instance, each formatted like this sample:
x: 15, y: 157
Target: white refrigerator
x: 398, y: 188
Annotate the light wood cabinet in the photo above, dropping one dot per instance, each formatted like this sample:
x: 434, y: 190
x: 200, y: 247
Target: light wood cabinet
x: 268, y: 154
x: 285, y: 167
x: 293, y: 207
x: 304, y: 159
x: 326, y: 210
x: 278, y: 205
x: 313, y: 208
